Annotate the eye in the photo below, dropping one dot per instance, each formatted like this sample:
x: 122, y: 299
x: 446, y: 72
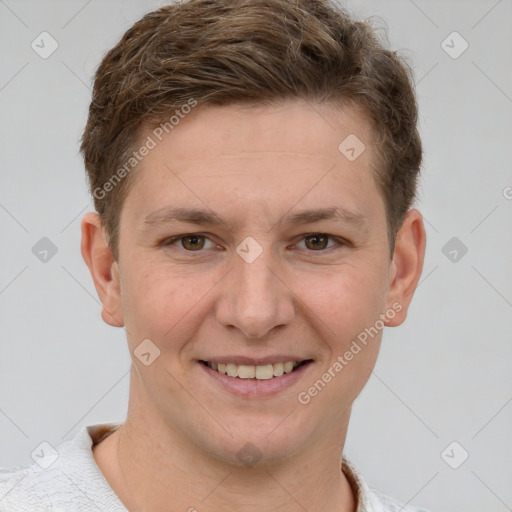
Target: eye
x: 318, y: 241
x: 193, y: 242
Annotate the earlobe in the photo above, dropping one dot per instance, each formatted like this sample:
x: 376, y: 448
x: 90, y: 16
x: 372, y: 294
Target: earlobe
x: 103, y: 268
x: 407, y: 265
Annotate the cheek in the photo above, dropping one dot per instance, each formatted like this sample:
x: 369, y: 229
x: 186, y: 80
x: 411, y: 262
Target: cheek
x: 346, y: 299
x: 169, y: 304
x: 348, y: 302
x: 162, y: 304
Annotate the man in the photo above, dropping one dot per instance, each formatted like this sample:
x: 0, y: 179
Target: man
x: 253, y: 165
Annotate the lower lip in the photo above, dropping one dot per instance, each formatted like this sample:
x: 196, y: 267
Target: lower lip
x: 254, y: 388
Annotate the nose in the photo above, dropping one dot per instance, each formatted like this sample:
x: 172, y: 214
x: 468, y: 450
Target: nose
x: 255, y: 298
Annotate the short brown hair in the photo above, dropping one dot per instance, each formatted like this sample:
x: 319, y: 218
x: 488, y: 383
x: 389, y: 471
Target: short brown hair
x: 220, y: 52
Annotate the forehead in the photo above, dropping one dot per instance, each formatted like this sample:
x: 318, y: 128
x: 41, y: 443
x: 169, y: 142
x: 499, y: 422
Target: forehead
x: 295, y: 126
x: 262, y: 159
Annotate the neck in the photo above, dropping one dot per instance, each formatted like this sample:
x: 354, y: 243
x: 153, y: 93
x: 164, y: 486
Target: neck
x: 149, y: 466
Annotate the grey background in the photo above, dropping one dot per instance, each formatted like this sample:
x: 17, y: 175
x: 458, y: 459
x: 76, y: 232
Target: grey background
x: 443, y: 376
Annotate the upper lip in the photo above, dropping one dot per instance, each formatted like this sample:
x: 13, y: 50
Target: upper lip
x: 255, y: 361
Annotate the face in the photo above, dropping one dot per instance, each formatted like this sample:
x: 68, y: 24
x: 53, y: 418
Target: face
x: 248, y: 237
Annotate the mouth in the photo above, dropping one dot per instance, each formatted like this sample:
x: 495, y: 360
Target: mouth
x: 256, y: 372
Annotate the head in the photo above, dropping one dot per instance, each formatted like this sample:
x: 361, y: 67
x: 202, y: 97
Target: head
x: 253, y: 112
x: 202, y: 53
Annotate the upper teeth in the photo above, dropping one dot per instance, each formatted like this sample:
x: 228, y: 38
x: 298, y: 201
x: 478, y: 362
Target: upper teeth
x: 263, y: 372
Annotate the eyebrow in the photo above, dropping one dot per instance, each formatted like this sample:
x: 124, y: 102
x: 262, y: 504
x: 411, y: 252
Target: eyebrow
x: 168, y: 215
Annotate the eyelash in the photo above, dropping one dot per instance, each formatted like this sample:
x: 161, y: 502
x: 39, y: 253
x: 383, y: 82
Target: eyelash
x: 341, y: 242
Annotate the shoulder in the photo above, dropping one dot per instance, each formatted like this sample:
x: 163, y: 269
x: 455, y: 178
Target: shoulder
x: 369, y: 499
x: 24, y: 488
x: 63, y: 479
x: 380, y: 502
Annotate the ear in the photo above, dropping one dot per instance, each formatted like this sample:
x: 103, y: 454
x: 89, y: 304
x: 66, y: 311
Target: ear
x: 103, y: 268
x: 407, y: 265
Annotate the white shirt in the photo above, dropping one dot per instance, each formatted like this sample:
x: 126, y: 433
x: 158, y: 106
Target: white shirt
x: 67, y: 479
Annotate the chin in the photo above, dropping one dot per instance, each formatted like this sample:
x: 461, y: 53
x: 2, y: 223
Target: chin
x: 268, y: 442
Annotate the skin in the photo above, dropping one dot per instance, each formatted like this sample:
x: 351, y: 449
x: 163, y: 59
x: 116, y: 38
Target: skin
x: 250, y: 166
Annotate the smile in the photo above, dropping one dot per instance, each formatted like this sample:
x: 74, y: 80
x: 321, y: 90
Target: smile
x: 261, y: 372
